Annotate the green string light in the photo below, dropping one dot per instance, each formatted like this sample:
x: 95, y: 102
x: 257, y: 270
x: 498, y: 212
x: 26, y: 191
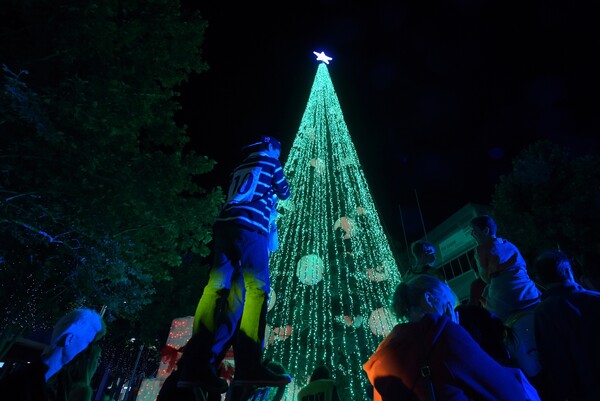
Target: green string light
x: 334, y: 272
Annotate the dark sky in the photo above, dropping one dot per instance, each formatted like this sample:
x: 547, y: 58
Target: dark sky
x: 438, y: 96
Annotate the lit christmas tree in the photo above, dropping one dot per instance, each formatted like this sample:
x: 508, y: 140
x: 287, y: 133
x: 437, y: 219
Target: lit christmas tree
x: 334, y: 273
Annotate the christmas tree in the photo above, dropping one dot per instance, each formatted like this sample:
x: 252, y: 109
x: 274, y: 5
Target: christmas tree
x: 334, y: 273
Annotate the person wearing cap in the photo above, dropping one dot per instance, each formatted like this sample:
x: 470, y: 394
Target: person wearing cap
x: 240, y: 268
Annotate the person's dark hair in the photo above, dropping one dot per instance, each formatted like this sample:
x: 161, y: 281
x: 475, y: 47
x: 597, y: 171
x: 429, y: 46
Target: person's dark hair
x: 552, y: 267
x: 419, y: 248
x: 483, y: 222
x: 320, y: 372
x: 409, y: 293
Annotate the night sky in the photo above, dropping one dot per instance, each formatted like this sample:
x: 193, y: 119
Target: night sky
x: 438, y: 97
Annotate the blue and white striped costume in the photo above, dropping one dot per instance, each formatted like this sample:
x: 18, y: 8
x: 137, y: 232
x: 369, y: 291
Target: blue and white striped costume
x: 238, y: 285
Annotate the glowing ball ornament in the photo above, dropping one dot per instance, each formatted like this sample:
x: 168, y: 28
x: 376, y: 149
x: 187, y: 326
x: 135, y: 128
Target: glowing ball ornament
x: 378, y: 274
x: 310, y: 269
x: 347, y: 226
x: 277, y: 334
x: 283, y: 333
x: 381, y: 321
x: 318, y: 164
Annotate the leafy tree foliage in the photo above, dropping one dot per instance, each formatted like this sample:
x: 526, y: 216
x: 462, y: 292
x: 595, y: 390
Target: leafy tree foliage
x: 551, y: 200
x: 100, y: 194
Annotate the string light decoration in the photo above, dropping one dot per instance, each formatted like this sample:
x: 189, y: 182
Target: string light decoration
x: 334, y: 269
x: 179, y: 334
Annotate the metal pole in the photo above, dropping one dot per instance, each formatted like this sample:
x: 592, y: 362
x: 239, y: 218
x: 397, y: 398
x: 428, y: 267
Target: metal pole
x: 137, y: 360
x: 102, y: 386
x: 404, y: 232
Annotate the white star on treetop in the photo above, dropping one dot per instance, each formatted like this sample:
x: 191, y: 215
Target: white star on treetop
x: 322, y: 57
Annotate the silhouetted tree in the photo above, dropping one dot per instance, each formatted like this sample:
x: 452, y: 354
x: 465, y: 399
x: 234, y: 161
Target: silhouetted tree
x: 100, y: 195
x: 550, y: 200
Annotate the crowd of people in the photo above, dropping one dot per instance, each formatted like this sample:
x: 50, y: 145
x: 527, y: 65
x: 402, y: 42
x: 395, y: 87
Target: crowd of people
x: 516, y: 338
x: 510, y: 341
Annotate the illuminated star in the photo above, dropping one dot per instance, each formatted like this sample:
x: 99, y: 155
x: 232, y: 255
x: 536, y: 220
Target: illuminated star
x: 322, y: 57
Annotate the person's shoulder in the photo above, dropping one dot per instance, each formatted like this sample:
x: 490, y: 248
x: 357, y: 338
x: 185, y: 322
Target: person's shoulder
x: 267, y: 159
x: 485, y: 246
x: 570, y: 294
x: 549, y: 301
x: 453, y: 329
x: 317, y: 385
x: 434, y: 322
x: 402, y: 334
x: 326, y: 381
x: 505, y: 247
x: 275, y: 161
x: 583, y: 289
x: 588, y: 295
x: 499, y: 242
x: 505, y: 243
x: 591, y: 283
